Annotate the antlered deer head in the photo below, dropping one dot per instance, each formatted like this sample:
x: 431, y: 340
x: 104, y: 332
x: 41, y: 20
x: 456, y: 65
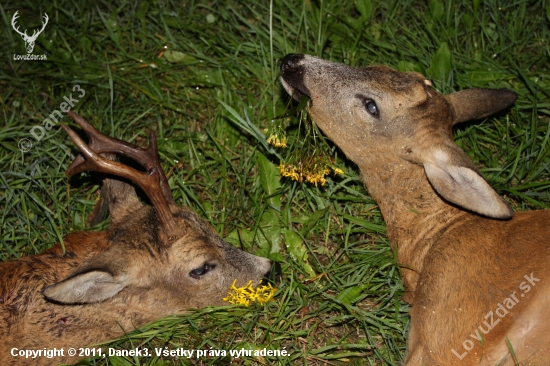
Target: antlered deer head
x: 152, y: 261
x: 29, y: 40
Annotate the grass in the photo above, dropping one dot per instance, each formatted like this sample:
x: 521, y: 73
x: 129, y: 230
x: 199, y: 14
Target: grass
x: 204, y: 77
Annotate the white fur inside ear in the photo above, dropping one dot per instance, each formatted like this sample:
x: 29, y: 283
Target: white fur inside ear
x: 89, y: 287
x: 440, y: 157
x: 464, y: 187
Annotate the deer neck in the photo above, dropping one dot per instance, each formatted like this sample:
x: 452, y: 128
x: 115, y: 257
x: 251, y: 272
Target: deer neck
x: 414, y: 213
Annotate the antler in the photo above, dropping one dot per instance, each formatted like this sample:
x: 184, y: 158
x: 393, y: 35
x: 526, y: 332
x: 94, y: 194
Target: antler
x: 35, y: 33
x: 153, y: 181
x: 13, y: 24
x: 43, y: 25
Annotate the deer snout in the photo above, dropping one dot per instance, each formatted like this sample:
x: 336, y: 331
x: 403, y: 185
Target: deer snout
x: 291, y: 61
x: 292, y: 75
x: 274, y: 274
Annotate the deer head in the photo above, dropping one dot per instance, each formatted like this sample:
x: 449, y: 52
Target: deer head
x: 153, y: 261
x: 29, y: 40
x: 380, y: 118
x: 165, y: 246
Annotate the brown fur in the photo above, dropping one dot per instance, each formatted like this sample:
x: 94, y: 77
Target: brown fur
x: 108, y: 283
x: 461, y: 248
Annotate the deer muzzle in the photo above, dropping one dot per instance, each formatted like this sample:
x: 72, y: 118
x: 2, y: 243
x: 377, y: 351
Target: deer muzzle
x: 292, y: 76
x: 273, y: 276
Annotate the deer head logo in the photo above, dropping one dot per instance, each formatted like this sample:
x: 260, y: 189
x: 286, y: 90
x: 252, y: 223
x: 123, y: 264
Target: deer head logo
x: 29, y: 40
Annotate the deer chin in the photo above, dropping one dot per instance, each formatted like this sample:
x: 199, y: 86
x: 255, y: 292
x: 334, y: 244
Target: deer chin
x: 292, y: 91
x: 295, y: 92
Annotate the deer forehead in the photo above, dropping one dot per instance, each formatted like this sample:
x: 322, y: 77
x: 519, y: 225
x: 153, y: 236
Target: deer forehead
x: 138, y: 240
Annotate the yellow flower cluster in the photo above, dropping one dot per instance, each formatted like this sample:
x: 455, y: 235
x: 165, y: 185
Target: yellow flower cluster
x: 246, y: 295
x: 316, y: 178
x: 298, y: 174
x: 290, y: 171
x: 276, y: 141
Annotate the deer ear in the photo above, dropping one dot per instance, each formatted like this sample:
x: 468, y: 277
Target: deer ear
x: 463, y: 186
x: 476, y: 103
x: 122, y: 198
x: 84, y: 288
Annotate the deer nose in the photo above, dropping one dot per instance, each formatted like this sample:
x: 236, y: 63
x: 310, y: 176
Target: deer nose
x: 274, y: 275
x: 291, y: 61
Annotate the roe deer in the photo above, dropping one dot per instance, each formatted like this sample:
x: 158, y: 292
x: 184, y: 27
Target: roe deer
x: 151, y: 262
x: 466, y: 258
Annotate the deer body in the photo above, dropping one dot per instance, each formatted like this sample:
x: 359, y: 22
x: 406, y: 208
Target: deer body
x: 109, y: 283
x: 466, y: 258
x: 53, y: 325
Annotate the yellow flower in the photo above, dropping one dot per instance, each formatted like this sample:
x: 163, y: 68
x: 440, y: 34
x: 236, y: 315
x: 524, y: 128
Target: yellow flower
x: 271, y: 139
x: 276, y: 141
x: 282, y: 143
x: 316, y: 178
x: 246, y: 295
x: 289, y: 171
x: 338, y: 171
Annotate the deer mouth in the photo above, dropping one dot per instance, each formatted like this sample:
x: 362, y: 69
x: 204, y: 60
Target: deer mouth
x: 295, y: 92
x: 292, y: 76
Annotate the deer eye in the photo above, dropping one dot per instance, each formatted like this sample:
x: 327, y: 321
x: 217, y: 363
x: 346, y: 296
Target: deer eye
x: 371, y: 107
x: 202, y: 270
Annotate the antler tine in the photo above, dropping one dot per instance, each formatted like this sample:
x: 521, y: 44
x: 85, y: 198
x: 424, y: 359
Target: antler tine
x: 148, y: 181
x: 46, y: 18
x: 37, y: 32
x: 101, y: 143
x: 13, y: 23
